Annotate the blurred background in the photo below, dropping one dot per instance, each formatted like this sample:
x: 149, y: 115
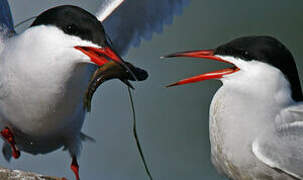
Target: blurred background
x: 172, y: 122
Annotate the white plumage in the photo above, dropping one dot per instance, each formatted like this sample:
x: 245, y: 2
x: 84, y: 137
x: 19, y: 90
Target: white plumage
x: 245, y: 110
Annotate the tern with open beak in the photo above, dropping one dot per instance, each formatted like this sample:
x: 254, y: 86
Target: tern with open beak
x: 256, y: 117
x: 45, y: 70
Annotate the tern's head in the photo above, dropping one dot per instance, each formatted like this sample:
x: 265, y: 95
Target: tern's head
x: 81, y: 27
x: 71, y: 35
x: 253, y: 58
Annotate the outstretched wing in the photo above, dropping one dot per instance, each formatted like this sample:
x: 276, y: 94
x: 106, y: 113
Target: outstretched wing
x: 127, y: 22
x: 6, y: 21
x: 282, y: 148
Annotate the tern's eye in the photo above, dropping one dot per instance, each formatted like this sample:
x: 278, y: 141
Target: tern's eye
x: 246, y: 55
x: 72, y: 29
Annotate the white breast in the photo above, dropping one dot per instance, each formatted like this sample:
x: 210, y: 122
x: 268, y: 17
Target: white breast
x: 42, y: 85
x: 239, y: 113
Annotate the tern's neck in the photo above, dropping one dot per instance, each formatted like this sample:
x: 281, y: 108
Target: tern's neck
x: 260, y: 83
x: 238, y: 107
x: 251, y: 102
x: 279, y: 96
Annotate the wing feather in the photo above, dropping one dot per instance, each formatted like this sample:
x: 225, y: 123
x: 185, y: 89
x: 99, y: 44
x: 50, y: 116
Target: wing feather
x: 6, y: 21
x: 282, y: 147
x: 134, y: 20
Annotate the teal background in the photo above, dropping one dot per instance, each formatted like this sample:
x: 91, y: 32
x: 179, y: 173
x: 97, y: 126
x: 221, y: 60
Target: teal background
x: 173, y: 122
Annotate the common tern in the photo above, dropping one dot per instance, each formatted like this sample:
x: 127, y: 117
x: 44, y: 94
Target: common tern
x: 46, y: 69
x: 256, y: 117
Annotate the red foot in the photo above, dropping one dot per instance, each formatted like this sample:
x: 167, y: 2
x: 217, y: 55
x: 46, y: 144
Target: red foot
x: 75, y: 167
x: 8, y: 135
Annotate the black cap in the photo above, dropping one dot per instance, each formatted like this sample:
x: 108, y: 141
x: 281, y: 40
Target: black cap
x: 75, y: 21
x: 268, y: 50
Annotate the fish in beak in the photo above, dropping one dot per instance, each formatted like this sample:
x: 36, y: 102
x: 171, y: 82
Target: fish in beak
x: 101, y: 56
x: 111, y: 66
x: 112, y: 70
x: 206, y: 54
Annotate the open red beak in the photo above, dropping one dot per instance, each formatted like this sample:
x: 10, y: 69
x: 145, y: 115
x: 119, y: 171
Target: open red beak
x: 207, y: 54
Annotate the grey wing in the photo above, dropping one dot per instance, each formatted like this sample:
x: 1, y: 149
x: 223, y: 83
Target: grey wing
x: 127, y: 22
x: 282, y: 147
x: 6, y: 21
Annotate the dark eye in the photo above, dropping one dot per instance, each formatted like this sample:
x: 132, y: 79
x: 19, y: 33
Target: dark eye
x: 71, y: 29
x: 245, y: 55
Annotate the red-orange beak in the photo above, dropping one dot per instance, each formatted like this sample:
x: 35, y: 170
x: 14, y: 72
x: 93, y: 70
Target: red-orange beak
x: 207, y: 54
x: 100, y: 56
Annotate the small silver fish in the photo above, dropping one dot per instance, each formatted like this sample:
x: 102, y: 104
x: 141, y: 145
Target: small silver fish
x: 112, y: 70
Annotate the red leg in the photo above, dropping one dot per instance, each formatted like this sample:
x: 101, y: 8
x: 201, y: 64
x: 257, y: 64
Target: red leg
x: 75, y: 167
x: 8, y: 135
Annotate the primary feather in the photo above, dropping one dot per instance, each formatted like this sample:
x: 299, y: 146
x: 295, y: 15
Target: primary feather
x: 6, y: 20
x: 132, y: 20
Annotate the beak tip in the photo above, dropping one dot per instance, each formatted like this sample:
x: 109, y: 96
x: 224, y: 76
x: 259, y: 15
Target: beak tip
x: 168, y: 56
x: 171, y: 85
